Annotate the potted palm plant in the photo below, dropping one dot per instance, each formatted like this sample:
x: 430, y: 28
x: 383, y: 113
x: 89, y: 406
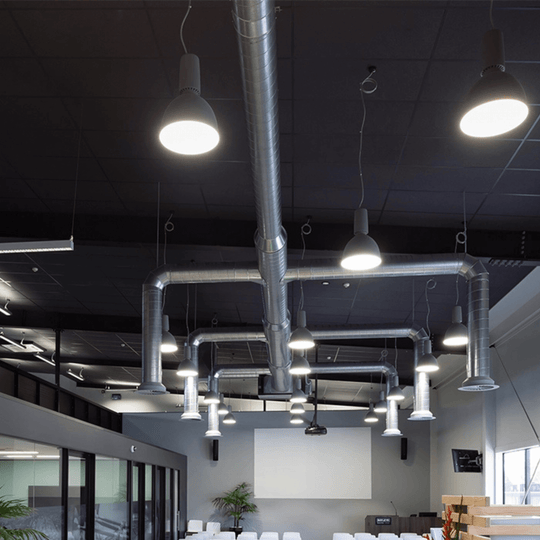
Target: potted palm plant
x: 13, y: 509
x: 235, y: 503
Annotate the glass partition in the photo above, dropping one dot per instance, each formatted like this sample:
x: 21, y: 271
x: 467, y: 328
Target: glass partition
x: 148, y: 503
x: 30, y: 472
x: 77, y: 497
x: 111, y: 517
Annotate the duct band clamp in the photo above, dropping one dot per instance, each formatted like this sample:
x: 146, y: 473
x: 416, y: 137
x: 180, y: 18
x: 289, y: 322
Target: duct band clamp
x: 270, y: 245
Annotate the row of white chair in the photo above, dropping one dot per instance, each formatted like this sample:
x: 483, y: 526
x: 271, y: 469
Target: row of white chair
x: 382, y: 536
x: 213, y: 532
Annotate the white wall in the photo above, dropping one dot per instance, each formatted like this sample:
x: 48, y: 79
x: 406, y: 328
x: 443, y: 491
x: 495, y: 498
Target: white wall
x: 406, y: 483
x: 459, y: 424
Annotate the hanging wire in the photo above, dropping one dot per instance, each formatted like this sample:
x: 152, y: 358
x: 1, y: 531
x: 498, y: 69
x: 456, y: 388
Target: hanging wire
x: 195, y: 311
x: 491, y: 14
x: 430, y: 285
x: 187, y: 310
x: 182, y: 27
x: 167, y: 228
x: 461, y: 238
x: 395, y: 360
x: 157, y: 220
x: 364, y: 90
x: 77, y: 171
x: 305, y: 230
x: 413, y: 302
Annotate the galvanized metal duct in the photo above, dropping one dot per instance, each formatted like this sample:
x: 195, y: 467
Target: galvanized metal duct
x: 191, y: 389
x: 213, y: 416
x: 394, y: 266
x: 421, y: 388
x: 392, y: 420
x: 478, y: 354
x: 254, y: 21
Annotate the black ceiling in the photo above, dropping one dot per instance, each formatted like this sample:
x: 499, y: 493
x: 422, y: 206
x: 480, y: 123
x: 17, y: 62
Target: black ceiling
x: 102, y: 73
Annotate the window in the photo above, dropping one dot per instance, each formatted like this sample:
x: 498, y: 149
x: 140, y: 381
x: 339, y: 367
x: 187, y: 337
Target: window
x: 519, y: 466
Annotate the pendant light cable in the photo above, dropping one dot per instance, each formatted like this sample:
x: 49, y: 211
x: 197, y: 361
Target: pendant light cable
x: 77, y: 171
x: 364, y: 90
x: 187, y: 311
x: 182, y: 27
x: 305, y: 230
x: 430, y: 285
x: 491, y: 14
x: 157, y: 222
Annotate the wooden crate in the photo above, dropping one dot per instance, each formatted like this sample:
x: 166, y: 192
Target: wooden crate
x: 478, y: 519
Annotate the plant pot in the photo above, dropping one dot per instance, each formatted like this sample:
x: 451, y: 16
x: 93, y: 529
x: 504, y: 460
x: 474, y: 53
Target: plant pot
x: 236, y: 530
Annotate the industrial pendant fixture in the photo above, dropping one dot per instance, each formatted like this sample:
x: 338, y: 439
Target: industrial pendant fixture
x: 381, y: 406
x: 371, y: 417
x: 427, y: 363
x: 296, y: 419
x: 297, y: 408
x: 298, y: 395
x: 457, y: 334
x: 168, y: 343
x: 362, y: 252
x: 229, y: 417
x: 211, y: 398
x: 396, y: 393
x: 187, y: 368
x: 189, y: 124
x: 497, y: 103
x: 300, y: 365
x: 222, y: 408
x: 301, y: 338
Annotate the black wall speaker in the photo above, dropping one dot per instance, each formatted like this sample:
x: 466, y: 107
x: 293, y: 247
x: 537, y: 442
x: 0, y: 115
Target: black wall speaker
x: 215, y: 450
x: 403, y: 448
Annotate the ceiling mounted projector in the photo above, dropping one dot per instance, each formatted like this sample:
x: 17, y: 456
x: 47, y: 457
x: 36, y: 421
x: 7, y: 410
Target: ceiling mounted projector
x: 315, y: 429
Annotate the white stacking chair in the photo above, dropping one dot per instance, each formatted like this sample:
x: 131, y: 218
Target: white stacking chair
x: 227, y: 535
x: 291, y: 536
x: 213, y: 527
x: 388, y: 536
x: 194, y: 525
x: 269, y: 536
x: 342, y: 536
x: 247, y: 535
x: 405, y: 535
x: 364, y: 536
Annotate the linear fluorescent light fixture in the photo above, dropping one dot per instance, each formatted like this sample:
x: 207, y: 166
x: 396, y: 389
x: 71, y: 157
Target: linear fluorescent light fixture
x: 11, y: 342
x: 21, y: 452
x: 36, y: 247
x: 49, y: 361
x: 77, y: 376
x: 5, y: 309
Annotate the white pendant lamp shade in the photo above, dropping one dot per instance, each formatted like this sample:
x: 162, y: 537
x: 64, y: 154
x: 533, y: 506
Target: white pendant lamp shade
x: 457, y: 334
x: 371, y: 417
x: 381, y: 405
x: 296, y: 419
x: 396, y: 393
x: 301, y: 338
x: 427, y: 363
x: 222, y: 408
x: 229, y: 418
x: 211, y: 398
x: 187, y: 369
x: 361, y: 252
x: 297, y: 408
x: 168, y: 343
x: 300, y: 366
x: 497, y: 103
x: 189, y: 124
x: 298, y: 396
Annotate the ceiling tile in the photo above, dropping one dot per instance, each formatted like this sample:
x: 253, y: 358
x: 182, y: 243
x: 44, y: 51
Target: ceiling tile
x: 58, y: 168
x: 365, y: 31
x: 433, y: 202
x: 12, y: 42
x: 121, y: 32
x: 527, y: 156
x: 519, y: 182
x: 108, y: 77
x: 337, y: 198
x: 23, y: 77
x: 459, y: 152
x: 470, y: 180
x: 65, y: 190
x: 511, y: 205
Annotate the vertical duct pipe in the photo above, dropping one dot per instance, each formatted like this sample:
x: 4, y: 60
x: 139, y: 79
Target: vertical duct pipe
x: 191, y: 388
x: 254, y: 21
x: 478, y: 353
x: 213, y: 416
x: 421, y: 388
x: 392, y: 416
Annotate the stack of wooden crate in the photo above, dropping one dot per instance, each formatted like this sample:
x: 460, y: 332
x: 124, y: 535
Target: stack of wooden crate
x: 479, y: 519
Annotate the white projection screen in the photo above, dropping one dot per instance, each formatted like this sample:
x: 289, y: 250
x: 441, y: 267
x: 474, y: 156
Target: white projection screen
x: 292, y: 465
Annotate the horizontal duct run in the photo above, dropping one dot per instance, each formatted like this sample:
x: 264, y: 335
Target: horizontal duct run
x: 478, y: 367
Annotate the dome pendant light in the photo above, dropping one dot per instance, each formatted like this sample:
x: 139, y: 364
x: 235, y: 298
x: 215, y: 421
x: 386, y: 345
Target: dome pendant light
x: 427, y: 363
x: 300, y: 366
x: 361, y: 252
x: 298, y: 395
x: 168, y: 343
x: 381, y: 406
x: 301, y: 338
x: 222, y: 408
x: 296, y: 419
x: 396, y: 393
x: 189, y: 124
x: 496, y: 104
x: 229, y: 417
x: 457, y: 334
x: 297, y: 408
x: 371, y: 417
x: 187, y: 368
x: 211, y: 398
